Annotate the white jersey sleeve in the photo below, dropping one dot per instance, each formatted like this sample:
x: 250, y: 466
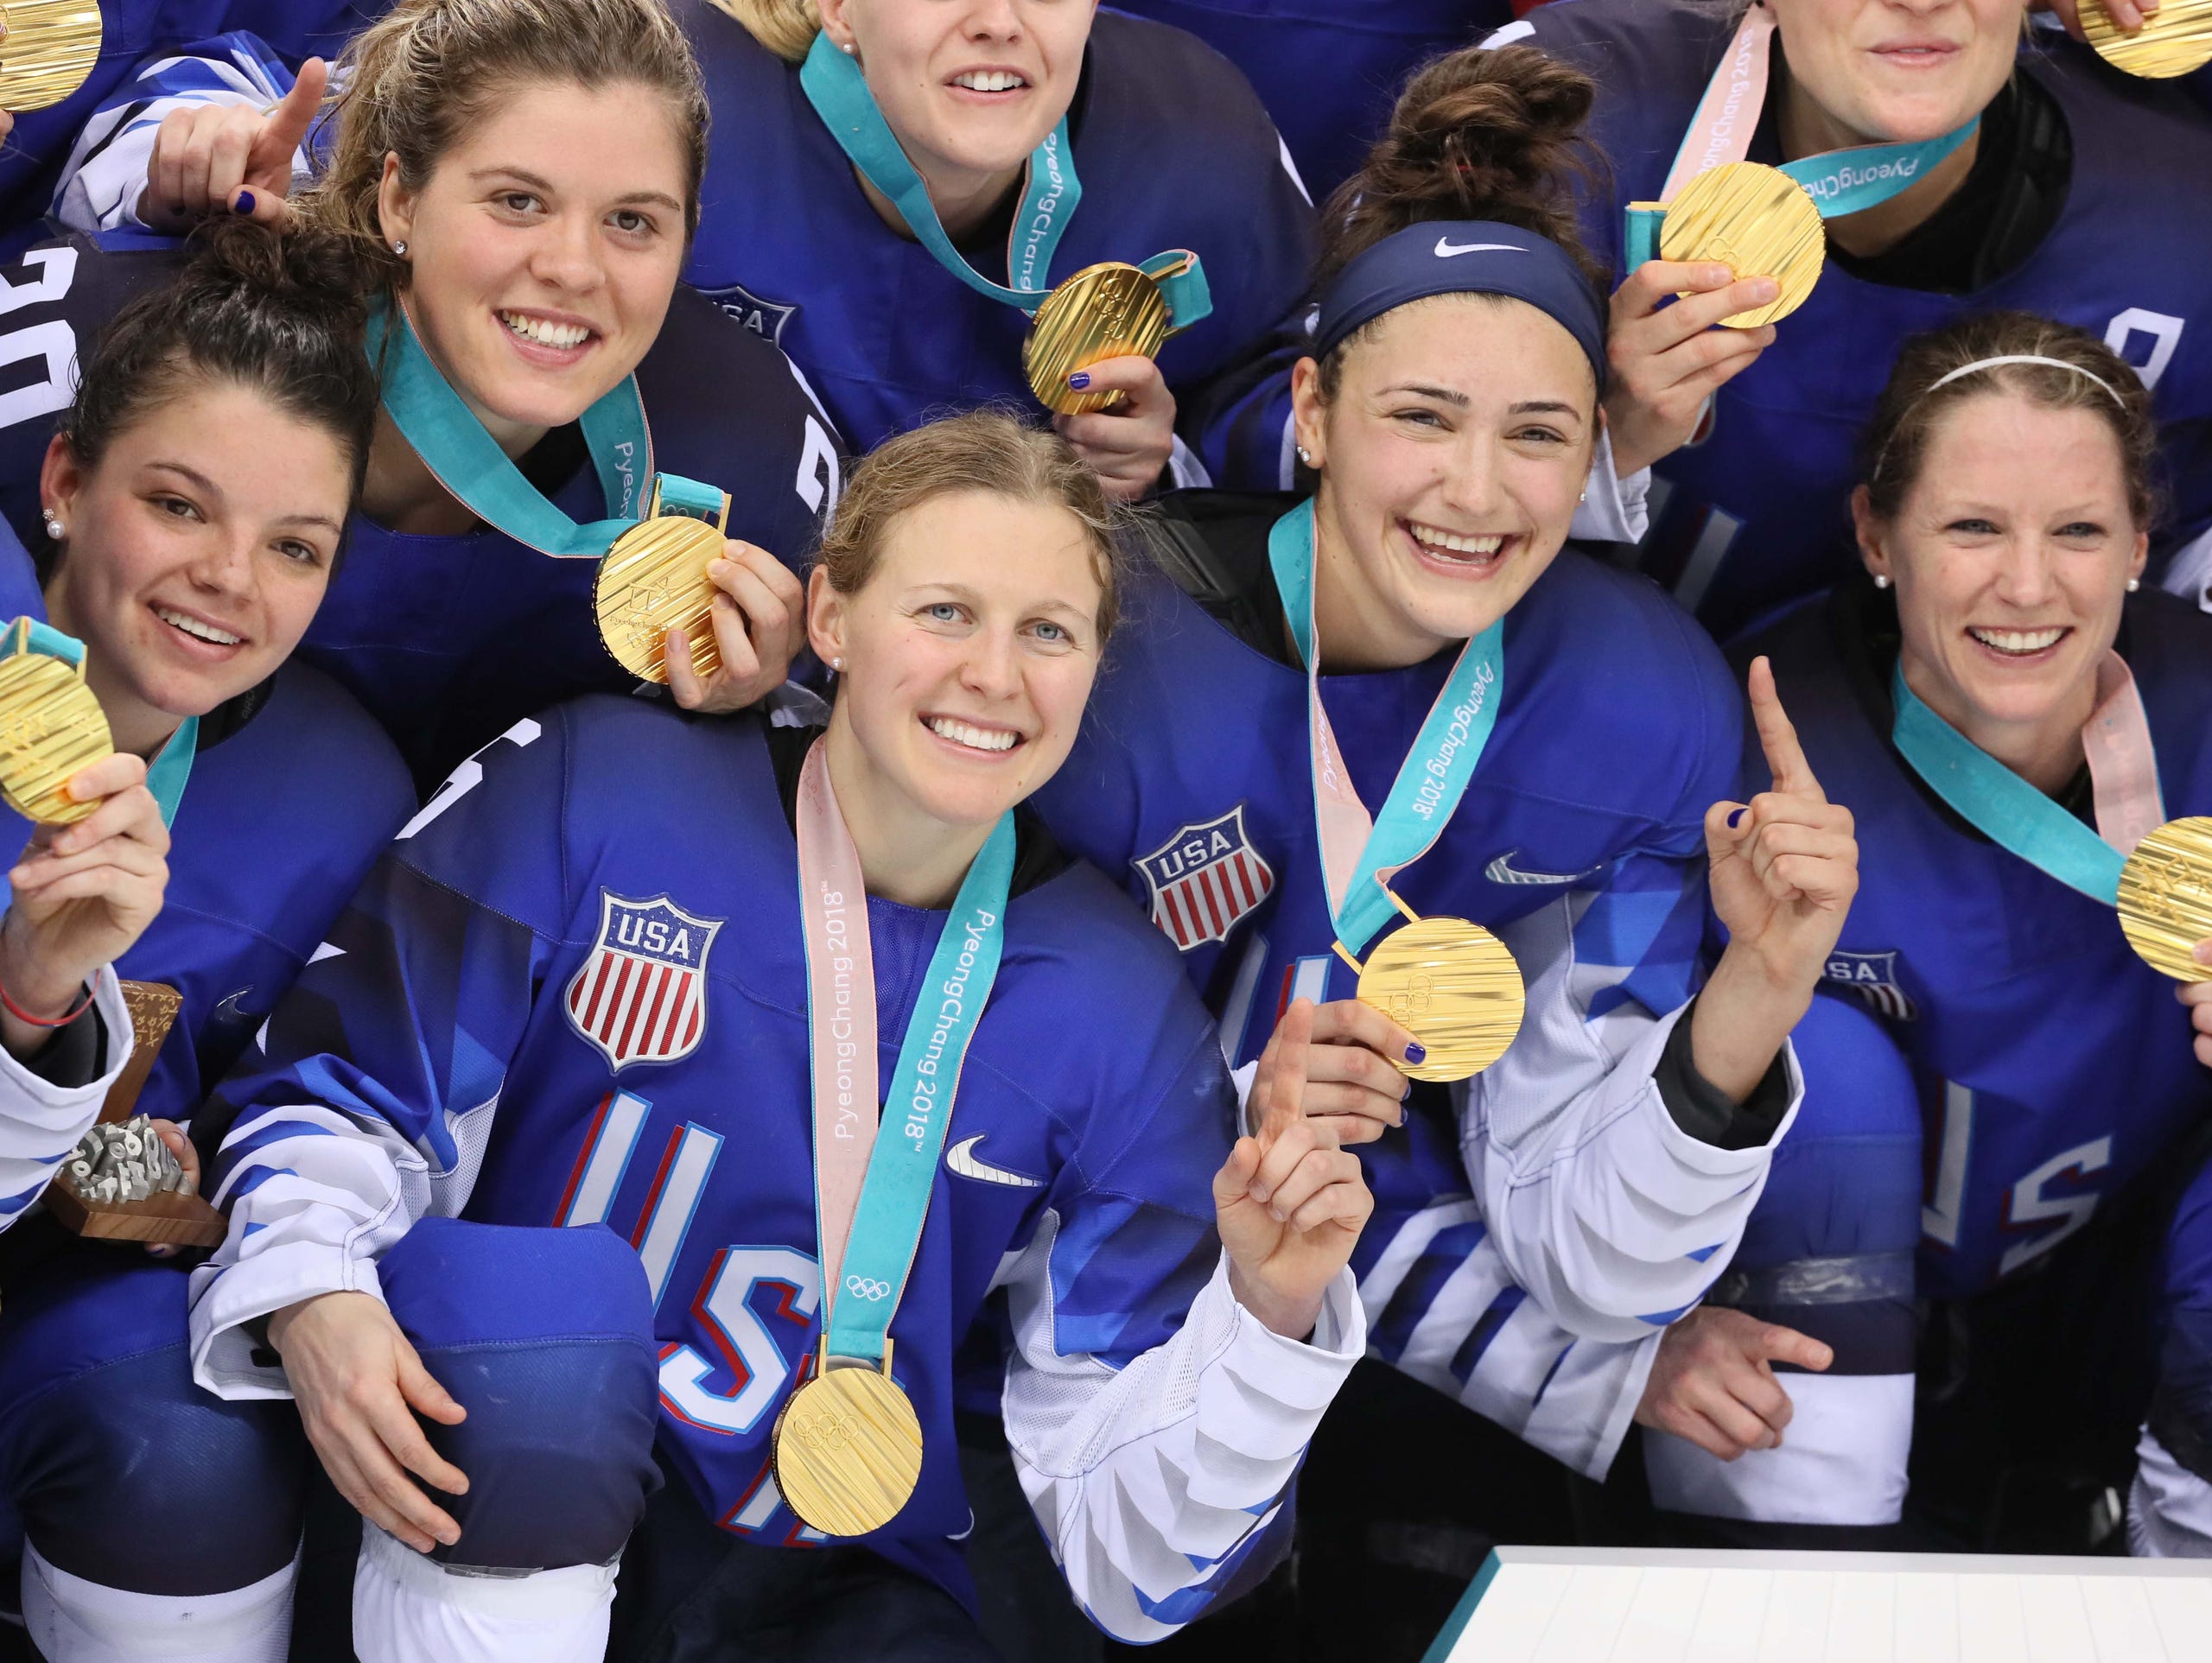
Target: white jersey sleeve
x: 39, y: 1121
x: 1152, y: 1483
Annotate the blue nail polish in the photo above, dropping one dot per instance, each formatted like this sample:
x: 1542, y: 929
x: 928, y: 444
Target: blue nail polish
x: 1733, y: 818
x: 1416, y: 1053
x: 244, y: 203
x: 1079, y: 380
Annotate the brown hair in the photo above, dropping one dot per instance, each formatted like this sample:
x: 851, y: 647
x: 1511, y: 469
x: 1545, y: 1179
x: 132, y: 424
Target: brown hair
x: 1477, y: 134
x: 414, y: 82
x: 987, y: 450
x: 1895, y: 443
x: 786, y: 28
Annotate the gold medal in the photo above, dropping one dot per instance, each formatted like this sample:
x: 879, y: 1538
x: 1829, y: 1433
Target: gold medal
x: 847, y: 1448
x: 653, y: 580
x: 1451, y: 984
x: 51, y: 725
x: 1757, y: 221
x: 1104, y: 311
x: 48, y: 48
x: 2165, y: 897
x: 2174, y: 39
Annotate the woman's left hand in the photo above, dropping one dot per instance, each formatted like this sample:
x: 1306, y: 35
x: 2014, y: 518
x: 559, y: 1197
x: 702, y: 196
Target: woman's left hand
x: 759, y: 623
x: 1128, y: 446
x: 1288, y: 1202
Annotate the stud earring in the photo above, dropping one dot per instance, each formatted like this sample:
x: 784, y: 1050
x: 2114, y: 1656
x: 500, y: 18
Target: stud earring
x: 400, y: 249
x: 2133, y: 584
x: 848, y: 48
x: 1881, y: 579
x: 55, y: 529
x: 1584, y: 498
x: 838, y: 665
x: 1306, y: 456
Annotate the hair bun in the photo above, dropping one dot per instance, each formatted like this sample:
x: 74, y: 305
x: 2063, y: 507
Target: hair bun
x: 301, y: 268
x: 1493, y: 133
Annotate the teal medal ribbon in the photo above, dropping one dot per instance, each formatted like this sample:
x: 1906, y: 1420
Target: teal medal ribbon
x: 838, y: 91
x: 1839, y: 181
x: 870, y: 1264
x: 469, y: 462
x: 169, y: 773
x: 1430, y: 782
x: 1998, y: 804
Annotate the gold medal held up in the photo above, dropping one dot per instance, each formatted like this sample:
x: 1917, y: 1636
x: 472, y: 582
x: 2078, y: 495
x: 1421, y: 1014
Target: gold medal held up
x: 2165, y: 897
x: 47, y: 49
x: 847, y: 1448
x: 1758, y: 222
x: 1110, y: 310
x: 2173, y: 40
x: 51, y: 725
x: 1451, y: 984
x: 653, y: 580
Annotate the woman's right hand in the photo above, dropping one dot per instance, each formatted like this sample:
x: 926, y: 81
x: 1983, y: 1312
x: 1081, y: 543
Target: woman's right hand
x: 229, y: 158
x: 1714, y: 1383
x: 80, y: 896
x: 1667, y: 359
x: 359, y: 1384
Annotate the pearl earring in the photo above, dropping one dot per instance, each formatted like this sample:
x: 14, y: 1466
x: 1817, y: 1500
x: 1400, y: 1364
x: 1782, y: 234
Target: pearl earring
x: 848, y: 48
x: 1306, y: 456
x: 2133, y: 584
x: 1584, y: 498
x: 400, y: 249
x: 54, y: 527
x: 1881, y: 579
x: 838, y: 664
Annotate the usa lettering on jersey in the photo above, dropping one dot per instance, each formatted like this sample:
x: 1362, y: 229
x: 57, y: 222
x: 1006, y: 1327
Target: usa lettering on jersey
x: 1873, y: 977
x: 640, y: 994
x: 1205, y: 879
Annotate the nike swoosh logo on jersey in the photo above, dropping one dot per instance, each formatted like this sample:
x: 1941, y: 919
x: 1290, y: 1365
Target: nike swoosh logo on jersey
x: 1445, y: 249
x: 1502, y: 871
x: 228, y: 1010
x: 962, y: 1159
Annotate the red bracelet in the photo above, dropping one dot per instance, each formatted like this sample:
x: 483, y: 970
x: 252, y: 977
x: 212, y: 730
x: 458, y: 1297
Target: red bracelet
x: 23, y: 1015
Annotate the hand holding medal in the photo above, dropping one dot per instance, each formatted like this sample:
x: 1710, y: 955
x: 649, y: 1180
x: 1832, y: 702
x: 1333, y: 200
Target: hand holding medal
x: 1288, y: 1202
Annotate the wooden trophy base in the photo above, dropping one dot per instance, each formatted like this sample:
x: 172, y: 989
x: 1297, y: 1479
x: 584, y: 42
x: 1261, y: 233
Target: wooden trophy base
x: 185, y: 1221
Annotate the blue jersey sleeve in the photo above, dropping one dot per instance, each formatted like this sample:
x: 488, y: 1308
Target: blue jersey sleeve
x: 371, y: 1103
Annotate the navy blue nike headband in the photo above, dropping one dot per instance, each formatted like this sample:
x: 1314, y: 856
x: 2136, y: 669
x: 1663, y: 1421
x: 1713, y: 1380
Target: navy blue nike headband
x: 1464, y: 256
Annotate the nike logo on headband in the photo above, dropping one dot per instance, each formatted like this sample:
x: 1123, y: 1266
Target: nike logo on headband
x: 1445, y: 250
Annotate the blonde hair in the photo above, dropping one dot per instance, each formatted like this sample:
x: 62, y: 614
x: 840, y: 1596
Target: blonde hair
x: 414, y: 81
x: 786, y: 28
x: 985, y: 450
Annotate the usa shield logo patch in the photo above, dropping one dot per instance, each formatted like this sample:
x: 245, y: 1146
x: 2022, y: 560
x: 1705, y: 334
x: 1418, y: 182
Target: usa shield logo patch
x: 1205, y: 879
x: 1873, y: 977
x: 761, y: 317
x: 640, y: 994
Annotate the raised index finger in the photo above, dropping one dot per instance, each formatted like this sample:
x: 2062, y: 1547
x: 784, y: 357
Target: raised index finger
x: 294, y: 112
x: 1286, y: 1104
x: 1785, y: 758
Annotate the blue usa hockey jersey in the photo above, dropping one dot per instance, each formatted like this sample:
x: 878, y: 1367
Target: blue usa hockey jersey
x: 1755, y: 513
x: 576, y: 993
x: 1579, y: 842
x: 447, y: 640
x: 1175, y: 152
x: 1328, y: 70
x: 134, y: 32
x: 2053, y: 1065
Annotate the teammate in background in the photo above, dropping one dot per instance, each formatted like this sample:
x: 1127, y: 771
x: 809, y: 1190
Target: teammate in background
x: 196, y: 500
x: 2072, y: 160
x: 531, y: 1016
x: 527, y: 209
x: 1449, y: 416
x: 1329, y: 74
x: 1982, y: 1005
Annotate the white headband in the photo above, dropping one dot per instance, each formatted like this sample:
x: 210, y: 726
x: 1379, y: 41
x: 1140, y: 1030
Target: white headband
x: 2027, y: 357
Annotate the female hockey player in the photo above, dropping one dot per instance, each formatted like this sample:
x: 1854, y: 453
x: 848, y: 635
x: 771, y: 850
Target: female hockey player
x: 2059, y: 199
x: 2007, y: 717
x: 527, y: 210
x: 193, y: 507
x: 1419, y: 619
x: 580, y: 993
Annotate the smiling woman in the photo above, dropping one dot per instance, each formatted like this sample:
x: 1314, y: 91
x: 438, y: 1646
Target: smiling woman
x: 194, y: 506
